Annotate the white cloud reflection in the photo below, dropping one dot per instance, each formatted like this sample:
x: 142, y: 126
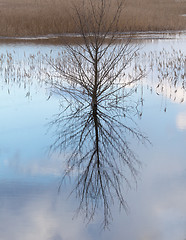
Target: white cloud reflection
x: 157, y: 209
x: 52, y: 165
x: 41, y: 215
x: 181, y: 121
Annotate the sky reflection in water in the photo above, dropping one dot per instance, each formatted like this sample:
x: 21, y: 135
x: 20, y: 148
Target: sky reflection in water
x: 31, y: 208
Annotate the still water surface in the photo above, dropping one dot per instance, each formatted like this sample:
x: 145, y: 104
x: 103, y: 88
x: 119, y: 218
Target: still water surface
x: 30, y: 205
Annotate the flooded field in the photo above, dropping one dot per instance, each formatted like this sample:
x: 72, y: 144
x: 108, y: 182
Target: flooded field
x: 35, y: 145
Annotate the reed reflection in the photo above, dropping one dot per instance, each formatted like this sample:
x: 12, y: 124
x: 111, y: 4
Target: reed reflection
x: 167, y: 73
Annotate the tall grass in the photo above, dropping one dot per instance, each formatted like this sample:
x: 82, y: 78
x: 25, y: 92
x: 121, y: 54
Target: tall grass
x: 39, y: 17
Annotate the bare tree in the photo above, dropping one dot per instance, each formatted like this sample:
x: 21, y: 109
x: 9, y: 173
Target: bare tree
x: 98, y: 111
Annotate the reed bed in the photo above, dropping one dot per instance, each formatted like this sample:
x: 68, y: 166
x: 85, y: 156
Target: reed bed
x: 41, y: 17
x: 164, y: 71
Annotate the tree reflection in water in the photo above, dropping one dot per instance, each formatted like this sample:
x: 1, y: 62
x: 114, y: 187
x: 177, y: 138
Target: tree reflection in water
x: 93, y: 129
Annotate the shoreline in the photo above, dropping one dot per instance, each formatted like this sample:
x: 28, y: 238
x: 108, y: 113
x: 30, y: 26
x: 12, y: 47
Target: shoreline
x: 73, y: 37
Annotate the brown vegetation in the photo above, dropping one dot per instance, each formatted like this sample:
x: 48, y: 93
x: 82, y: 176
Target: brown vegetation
x: 40, y: 17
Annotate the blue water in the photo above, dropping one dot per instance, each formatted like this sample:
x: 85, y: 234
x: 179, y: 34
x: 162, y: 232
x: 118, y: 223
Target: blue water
x: 30, y: 205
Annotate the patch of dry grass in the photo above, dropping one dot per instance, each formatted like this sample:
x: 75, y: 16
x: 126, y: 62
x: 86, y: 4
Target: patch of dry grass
x: 40, y: 17
x: 155, y: 15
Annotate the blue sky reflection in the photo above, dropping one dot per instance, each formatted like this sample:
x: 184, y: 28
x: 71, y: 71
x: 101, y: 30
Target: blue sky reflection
x: 30, y: 206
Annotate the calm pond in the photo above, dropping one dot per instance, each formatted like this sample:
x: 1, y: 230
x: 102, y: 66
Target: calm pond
x: 31, y: 207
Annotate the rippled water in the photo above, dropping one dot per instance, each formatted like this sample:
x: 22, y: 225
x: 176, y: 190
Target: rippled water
x: 30, y: 205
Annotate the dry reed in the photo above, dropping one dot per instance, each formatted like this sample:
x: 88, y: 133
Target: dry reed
x: 40, y: 17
